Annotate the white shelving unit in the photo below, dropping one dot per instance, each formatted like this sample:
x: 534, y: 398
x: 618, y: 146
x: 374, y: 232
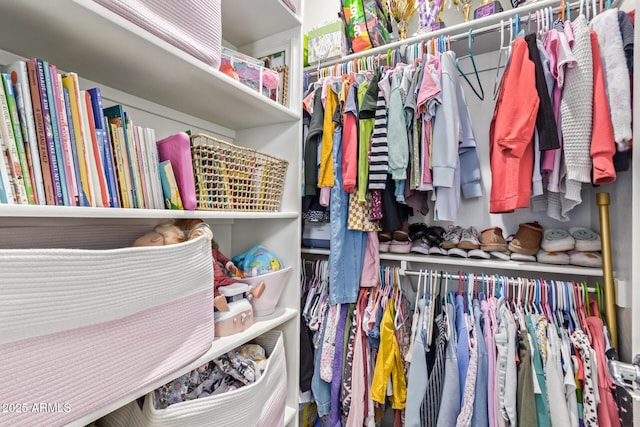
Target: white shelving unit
x: 166, y: 89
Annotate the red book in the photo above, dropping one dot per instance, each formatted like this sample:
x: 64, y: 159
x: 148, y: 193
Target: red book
x: 40, y: 132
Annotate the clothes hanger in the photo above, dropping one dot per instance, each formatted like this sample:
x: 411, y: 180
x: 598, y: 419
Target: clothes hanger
x: 503, y: 49
x: 475, y: 69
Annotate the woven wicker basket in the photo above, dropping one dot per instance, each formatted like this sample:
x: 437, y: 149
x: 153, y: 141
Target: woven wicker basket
x: 233, y: 178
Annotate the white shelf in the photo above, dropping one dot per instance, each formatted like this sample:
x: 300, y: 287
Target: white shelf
x: 480, y: 263
x: 219, y: 347
x: 247, y: 21
x: 38, y: 211
x: 71, y: 35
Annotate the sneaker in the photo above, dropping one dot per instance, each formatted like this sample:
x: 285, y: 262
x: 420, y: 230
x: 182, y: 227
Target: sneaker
x: 527, y: 239
x: 417, y: 231
x: 457, y: 252
x: 420, y: 246
x: 478, y: 253
x: 469, y: 239
x: 557, y: 240
x: 435, y: 235
x: 586, y: 240
x: 398, y: 247
x: 451, y: 237
x: 492, y: 240
x: 437, y: 250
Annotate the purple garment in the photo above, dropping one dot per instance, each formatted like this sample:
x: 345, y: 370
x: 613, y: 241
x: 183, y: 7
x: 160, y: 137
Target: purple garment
x: 462, y: 349
x: 336, y: 380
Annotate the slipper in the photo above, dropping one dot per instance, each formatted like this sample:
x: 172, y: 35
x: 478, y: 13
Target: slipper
x: 557, y: 240
x: 557, y: 258
x: 383, y: 246
x: 585, y: 259
x: 402, y: 234
x: 586, y: 239
x: 522, y: 257
x: 492, y: 240
x: 527, y: 239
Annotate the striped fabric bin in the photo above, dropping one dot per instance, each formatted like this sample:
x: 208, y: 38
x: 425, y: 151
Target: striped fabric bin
x: 81, y: 328
x: 194, y: 26
x: 261, y: 404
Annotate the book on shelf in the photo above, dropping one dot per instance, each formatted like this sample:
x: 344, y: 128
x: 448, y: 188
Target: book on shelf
x: 70, y: 82
x: 52, y: 123
x: 48, y: 133
x: 17, y: 134
x: 95, y: 97
x: 116, y: 116
x: 22, y: 89
x: 41, y: 139
x: 65, y: 139
x: 122, y: 167
x: 133, y: 155
x: 94, y: 149
x: 8, y: 194
x: 170, y: 190
x: 154, y: 161
x: 82, y: 199
x: 10, y: 151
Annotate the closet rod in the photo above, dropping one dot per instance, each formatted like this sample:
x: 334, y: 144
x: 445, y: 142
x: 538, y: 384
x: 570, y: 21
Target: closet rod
x: 479, y: 26
x: 442, y: 274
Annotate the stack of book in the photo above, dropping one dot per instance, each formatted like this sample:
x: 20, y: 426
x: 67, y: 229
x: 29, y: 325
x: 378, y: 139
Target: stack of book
x: 59, y: 146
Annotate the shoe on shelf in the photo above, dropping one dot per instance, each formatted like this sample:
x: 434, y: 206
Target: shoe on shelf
x: 420, y: 246
x: 527, y: 239
x: 451, y: 237
x: 417, y: 231
x: 557, y: 258
x: 557, y: 240
x: 585, y: 259
x: 437, y: 250
x: 402, y: 233
x: 522, y: 257
x: 492, y: 240
x: 469, y: 239
x: 478, y: 253
x: 434, y: 235
x: 502, y: 255
x: 457, y: 252
x: 399, y: 247
x: 586, y: 239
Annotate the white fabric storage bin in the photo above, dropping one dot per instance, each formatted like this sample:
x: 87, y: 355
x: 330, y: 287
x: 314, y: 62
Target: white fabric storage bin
x: 259, y: 404
x: 81, y: 328
x: 194, y: 26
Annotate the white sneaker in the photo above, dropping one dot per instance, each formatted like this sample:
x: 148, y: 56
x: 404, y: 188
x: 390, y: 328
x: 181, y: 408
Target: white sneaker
x: 469, y: 239
x: 451, y: 237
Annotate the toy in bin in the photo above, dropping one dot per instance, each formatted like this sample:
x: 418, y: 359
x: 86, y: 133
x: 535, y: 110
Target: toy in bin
x: 261, y: 266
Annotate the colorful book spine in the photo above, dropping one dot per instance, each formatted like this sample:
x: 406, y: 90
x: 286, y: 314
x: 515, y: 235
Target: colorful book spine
x: 133, y: 155
x: 65, y: 141
x: 21, y: 88
x: 82, y: 199
x: 121, y: 167
x: 55, y: 129
x: 154, y: 161
x: 38, y: 120
x: 11, y: 151
x: 48, y: 129
x: 96, y: 169
x: 70, y: 82
x: 140, y: 153
x: 5, y: 175
x: 107, y: 154
x: 113, y: 157
x: 115, y: 115
x: 170, y: 187
x: 17, y: 134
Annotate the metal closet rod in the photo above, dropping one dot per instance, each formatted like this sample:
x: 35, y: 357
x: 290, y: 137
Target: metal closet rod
x: 480, y: 26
